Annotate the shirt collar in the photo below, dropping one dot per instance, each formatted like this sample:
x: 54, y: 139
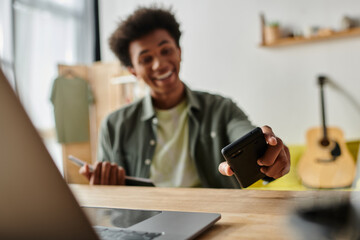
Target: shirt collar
x: 193, y: 102
x: 148, y: 108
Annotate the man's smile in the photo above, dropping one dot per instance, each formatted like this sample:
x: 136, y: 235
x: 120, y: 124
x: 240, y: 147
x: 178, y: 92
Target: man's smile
x: 164, y: 75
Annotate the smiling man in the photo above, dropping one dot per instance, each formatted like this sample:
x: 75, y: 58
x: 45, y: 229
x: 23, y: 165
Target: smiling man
x: 174, y: 135
x: 156, y: 59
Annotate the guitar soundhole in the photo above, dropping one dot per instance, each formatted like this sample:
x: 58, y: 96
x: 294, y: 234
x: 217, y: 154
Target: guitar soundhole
x: 335, y: 152
x: 325, y: 142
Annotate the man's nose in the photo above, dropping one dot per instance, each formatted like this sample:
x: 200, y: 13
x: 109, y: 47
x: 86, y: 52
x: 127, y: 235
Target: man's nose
x: 157, y: 63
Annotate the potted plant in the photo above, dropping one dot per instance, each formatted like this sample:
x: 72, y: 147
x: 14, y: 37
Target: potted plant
x: 272, y: 32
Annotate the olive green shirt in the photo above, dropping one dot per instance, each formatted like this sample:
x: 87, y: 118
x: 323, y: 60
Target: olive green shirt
x: 71, y: 98
x: 128, y: 136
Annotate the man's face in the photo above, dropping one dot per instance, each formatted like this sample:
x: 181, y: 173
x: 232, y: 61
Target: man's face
x: 156, y: 60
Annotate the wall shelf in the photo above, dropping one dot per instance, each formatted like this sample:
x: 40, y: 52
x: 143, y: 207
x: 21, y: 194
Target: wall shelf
x: 299, y: 40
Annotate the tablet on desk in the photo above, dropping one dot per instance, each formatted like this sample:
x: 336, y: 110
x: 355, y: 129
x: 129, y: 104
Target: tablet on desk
x: 129, y: 180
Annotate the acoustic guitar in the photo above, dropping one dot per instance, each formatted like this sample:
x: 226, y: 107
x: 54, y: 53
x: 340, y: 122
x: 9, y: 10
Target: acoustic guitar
x: 326, y: 163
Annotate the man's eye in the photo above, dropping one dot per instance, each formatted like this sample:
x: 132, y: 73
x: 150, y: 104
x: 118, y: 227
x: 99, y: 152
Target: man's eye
x: 166, y: 51
x: 146, y: 60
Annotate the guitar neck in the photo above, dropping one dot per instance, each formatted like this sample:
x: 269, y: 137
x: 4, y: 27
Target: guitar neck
x: 325, y: 140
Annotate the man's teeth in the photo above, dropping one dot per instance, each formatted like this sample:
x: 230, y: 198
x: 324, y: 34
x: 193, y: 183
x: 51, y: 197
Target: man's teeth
x: 165, y: 75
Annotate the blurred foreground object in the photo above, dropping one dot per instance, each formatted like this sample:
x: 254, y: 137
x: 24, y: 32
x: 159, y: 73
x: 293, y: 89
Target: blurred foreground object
x: 328, y: 218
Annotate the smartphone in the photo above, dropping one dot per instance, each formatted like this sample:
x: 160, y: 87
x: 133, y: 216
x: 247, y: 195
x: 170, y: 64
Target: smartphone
x: 129, y: 181
x: 242, y: 156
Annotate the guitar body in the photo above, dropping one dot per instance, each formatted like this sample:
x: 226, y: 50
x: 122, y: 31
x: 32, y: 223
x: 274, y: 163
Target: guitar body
x: 330, y: 166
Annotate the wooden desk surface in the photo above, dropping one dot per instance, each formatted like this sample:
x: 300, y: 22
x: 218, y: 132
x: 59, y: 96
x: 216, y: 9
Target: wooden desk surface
x: 245, y: 214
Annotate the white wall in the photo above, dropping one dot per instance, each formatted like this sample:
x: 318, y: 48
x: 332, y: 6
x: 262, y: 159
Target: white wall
x: 274, y: 86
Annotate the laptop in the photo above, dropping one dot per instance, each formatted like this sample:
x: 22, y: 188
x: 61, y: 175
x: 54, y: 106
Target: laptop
x: 36, y: 202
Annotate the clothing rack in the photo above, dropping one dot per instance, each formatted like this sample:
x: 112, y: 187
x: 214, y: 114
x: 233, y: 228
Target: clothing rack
x: 108, y: 97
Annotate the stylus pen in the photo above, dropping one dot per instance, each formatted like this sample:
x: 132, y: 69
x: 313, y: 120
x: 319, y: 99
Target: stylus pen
x: 81, y: 163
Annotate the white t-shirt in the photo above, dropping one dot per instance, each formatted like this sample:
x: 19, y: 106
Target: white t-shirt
x: 172, y: 165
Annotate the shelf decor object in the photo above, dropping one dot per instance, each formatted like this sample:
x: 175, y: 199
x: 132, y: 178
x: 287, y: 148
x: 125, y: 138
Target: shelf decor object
x: 352, y: 32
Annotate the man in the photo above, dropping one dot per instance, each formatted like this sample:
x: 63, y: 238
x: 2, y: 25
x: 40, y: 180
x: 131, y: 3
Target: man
x: 174, y: 135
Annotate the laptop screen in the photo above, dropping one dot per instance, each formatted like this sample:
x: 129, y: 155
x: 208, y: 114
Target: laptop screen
x: 123, y: 218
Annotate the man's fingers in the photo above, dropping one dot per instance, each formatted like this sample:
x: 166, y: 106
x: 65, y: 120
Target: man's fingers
x: 280, y: 167
x: 121, y: 176
x: 113, y: 174
x: 276, y: 160
x: 84, y: 170
x: 105, y: 173
x: 271, y: 154
x: 225, y: 169
x: 269, y: 135
x: 96, y: 177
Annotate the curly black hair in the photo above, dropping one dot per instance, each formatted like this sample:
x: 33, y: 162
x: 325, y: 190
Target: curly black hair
x: 142, y: 22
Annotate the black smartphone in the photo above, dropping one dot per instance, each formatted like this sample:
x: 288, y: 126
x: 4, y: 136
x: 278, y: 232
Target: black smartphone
x: 242, y: 156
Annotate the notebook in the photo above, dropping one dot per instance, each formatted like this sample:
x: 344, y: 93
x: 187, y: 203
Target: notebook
x: 36, y: 202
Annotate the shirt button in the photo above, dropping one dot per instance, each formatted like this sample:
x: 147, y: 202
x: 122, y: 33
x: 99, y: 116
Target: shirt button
x: 152, y: 142
x: 213, y: 134
x: 155, y: 120
x: 147, y: 162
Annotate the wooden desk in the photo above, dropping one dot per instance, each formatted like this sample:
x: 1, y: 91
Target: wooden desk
x: 246, y: 214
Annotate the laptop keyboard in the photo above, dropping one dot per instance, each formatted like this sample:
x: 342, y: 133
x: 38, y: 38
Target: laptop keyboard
x: 106, y: 233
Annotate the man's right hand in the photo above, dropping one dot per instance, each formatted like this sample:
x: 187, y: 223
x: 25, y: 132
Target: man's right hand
x: 105, y: 173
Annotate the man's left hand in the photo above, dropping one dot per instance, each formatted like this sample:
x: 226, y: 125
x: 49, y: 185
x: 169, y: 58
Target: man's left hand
x: 274, y: 163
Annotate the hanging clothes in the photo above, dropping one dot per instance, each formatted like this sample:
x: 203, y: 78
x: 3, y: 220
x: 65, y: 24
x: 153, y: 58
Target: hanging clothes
x: 71, y: 97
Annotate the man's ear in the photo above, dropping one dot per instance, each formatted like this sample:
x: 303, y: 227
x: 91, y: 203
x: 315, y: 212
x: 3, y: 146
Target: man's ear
x: 132, y: 71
